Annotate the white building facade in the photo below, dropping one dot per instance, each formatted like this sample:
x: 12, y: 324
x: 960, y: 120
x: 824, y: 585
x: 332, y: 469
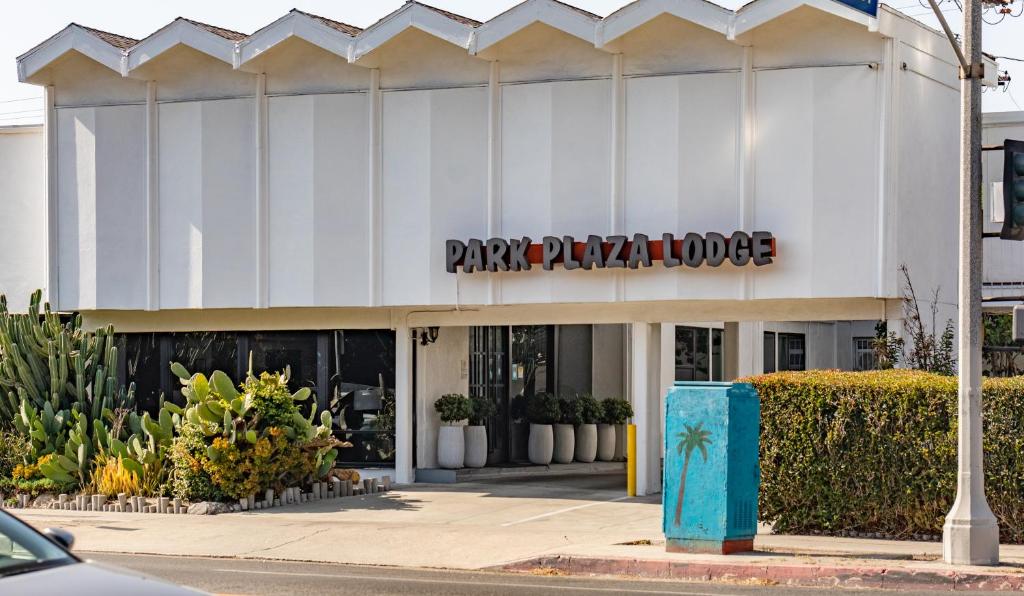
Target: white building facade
x: 293, y: 191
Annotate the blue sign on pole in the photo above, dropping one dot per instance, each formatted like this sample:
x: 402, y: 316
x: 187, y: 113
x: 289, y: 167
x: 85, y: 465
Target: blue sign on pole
x: 866, y: 6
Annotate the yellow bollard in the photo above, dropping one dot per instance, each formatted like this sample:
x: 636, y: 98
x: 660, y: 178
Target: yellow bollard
x: 631, y: 460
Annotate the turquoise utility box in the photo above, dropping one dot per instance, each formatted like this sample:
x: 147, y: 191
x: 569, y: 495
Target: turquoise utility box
x: 712, y: 472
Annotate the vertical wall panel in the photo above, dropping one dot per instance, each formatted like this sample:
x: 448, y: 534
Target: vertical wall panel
x: 207, y: 204
x: 845, y: 166
x: 458, y: 188
x: 121, y: 280
x: 101, y: 194
x: 783, y: 179
x: 681, y: 175
x: 405, y: 197
x: 526, y: 181
x: 556, y: 155
x: 318, y: 236
x: 291, y: 178
x: 341, y: 245
x: 816, y: 180
x: 181, y: 205
x: 434, y: 188
x: 76, y: 207
x: 229, y: 203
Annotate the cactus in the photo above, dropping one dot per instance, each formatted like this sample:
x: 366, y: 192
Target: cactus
x: 43, y: 359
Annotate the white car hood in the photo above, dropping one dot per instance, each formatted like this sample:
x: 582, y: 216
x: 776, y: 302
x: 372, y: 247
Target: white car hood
x: 88, y: 579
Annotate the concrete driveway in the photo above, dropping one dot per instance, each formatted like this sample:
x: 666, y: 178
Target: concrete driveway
x: 461, y: 526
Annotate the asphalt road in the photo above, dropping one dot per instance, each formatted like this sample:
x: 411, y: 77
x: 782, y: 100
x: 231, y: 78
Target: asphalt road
x: 256, y: 577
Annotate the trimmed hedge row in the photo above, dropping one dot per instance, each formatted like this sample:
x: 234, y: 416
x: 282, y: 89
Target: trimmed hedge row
x: 876, y: 451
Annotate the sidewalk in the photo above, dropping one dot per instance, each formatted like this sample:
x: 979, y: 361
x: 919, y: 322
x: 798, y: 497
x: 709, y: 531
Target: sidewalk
x: 573, y: 527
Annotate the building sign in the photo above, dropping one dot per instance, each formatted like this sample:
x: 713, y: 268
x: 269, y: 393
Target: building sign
x: 693, y: 250
x: 868, y: 6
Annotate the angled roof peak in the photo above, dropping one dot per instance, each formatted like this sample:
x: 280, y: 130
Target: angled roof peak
x: 553, y: 13
x: 118, y: 41
x: 451, y: 15
x: 219, y: 31
x: 216, y: 42
x: 333, y: 36
x: 448, y: 26
x: 336, y: 25
x: 106, y: 48
x: 631, y: 16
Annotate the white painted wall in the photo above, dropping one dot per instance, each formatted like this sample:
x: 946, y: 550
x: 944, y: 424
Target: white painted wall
x: 207, y: 204
x: 813, y: 174
x: 554, y: 180
x: 22, y: 213
x: 101, y: 200
x: 926, y: 209
x: 434, y: 179
x: 441, y: 368
x: 319, y: 240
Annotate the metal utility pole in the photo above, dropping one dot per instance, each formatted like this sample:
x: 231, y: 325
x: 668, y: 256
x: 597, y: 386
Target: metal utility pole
x: 970, y: 535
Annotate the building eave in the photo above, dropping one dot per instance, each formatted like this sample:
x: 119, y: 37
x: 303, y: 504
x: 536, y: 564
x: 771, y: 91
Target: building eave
x: 180, y: 32
x: 760, y: 12
x: 71, y: 38
x: 416, y: 16
x: 299, y: 25
x: 700, y: 12
x: 549, y: 12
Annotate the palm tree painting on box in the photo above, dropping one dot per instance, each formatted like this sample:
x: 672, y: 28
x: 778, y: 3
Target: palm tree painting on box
x: 694, y: 437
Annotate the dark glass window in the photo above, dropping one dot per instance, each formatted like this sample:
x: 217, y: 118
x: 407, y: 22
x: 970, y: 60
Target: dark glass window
x: 144, y: 366
x: 574, y: 359
x: 769, y: 352
x: 532, y: 350
x: 362, y: 394
x: 716, y: 355
x: 693, y: 357
x: 352, y: 373
x: 792, y: 351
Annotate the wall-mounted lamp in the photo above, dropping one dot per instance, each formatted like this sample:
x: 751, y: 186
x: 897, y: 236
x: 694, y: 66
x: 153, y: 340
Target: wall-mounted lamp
x: 428, y: 335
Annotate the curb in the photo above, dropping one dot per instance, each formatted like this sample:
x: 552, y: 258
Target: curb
x: 816, y: 576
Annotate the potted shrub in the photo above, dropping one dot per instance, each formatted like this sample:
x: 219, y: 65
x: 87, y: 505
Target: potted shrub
x: 611, y: 433
x: 565, y: 430
x: 481, y: 409
x: 542, y: 411
x: 590, y: 412
x: 451, y: 444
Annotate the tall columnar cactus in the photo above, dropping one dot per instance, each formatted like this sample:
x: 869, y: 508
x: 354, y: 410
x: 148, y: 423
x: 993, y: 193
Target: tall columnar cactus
x: 44, y: 360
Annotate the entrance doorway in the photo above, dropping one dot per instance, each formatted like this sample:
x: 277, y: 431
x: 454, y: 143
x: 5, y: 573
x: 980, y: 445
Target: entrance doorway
x: 510, y: 364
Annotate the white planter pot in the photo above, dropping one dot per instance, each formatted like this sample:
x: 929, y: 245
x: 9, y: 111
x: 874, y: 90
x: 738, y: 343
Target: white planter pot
x: 542, y: 444
x: 605, y: 442
x: 476, y: 446
x: 565, y: 443
x: 586, y: 443
x: 451, y: 447
x: 620, y: 443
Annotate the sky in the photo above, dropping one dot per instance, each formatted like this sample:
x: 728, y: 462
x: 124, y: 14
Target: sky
x: 32, y: 22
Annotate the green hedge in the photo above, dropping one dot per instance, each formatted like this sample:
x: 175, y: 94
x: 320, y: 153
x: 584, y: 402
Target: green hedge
x: 876, y: 451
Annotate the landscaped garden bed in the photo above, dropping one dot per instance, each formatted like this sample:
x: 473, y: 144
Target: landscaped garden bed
x: 72, y: 437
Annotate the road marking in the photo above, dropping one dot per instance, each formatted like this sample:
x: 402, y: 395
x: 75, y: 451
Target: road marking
x: 450, y: 582
x: 560, y: 511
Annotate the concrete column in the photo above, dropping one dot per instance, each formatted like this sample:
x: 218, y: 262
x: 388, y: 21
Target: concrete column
x: 645, y: 389
x: 743, y: 344
x: 403, y: 406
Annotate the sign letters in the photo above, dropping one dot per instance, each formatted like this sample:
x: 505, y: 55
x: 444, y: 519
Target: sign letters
x: 613, y: 252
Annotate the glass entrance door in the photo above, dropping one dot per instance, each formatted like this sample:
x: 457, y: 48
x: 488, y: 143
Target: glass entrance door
x: 488, y: 368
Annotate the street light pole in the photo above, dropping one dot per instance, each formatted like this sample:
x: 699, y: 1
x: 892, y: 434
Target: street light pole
x: 970, y: 535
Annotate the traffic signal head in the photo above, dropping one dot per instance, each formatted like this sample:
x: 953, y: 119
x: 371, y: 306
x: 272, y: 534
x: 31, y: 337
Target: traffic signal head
x: 1013, y: 190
